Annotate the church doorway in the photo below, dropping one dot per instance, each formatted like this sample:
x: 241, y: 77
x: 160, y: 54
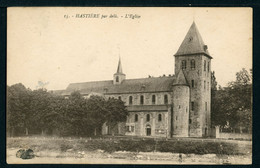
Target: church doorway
x: 148, y: 130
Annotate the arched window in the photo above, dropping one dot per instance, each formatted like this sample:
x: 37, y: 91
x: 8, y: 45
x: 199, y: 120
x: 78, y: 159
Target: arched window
x: 130, y: 100
x: 136, y: 117
x: 204, y: 85
x: 117, y: 79
x: 119, y: 97
x: 192, y: 83
x: 141, y: 99
x: 192, y: 64
x: 148, y: 117
x: 205, y: 65
x: 165, y: 99
x: 159, y: 117
x: 183, y: 64
x: 153, y: 99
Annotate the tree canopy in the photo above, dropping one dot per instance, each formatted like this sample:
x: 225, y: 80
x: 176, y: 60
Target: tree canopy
x: 232, y: 105
x: 40, y: 111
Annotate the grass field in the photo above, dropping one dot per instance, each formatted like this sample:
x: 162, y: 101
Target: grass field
x: 131, y: 148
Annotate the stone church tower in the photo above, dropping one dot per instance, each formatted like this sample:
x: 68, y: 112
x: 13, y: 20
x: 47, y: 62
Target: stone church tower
x: 193, y: 62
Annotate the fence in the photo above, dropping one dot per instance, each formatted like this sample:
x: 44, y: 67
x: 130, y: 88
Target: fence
x: 226, y: 135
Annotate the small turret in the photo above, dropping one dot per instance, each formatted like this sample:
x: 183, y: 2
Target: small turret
x: 119, y: 76
x: 181, y: 79
x: 181, y: 99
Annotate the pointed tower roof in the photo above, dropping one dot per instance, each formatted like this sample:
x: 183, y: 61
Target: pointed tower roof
x: 119, y: 67
x: 193, y: 43
x: 180, y: 79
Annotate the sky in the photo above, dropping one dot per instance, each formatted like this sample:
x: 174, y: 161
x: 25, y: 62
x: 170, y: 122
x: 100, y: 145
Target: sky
x: 57, y: 47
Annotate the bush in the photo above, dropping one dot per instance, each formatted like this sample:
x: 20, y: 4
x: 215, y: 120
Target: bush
x: 150, y: 145
x: 64, y: 147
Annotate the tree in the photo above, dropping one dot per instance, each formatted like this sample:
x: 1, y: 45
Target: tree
x: 75, y: 114
x: 42, y: 111
x: 18, y: 108
x: 48, y: 110
x: 233, y: 104
x: 116, y: 112
x: 217, y: 100
x: 240, y: 92
x: 243, y: 78
x: 96, y: 113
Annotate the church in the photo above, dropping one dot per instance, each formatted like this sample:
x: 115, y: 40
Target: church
x: 167, y: 106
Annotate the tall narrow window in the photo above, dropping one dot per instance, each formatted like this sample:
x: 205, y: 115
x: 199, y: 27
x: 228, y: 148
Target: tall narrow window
x: 117, y: 79
x: 206, y: 108
x: 128, y: 128
x: 153, y: 99
x: 165, y: 99
x: 130, y: 100
x: 192, y: 106
x: 132, y: 128
x: 208, y: 66
x: 208, y: 86
x: 192, y: 83
x: 141, y: 99
x: 159, y: 117
x: 204, y: 85
x: 205, y: 65
x: 148, y: 117
x: 192, y: 64
x: 183, y: 64
x: 136, y: 117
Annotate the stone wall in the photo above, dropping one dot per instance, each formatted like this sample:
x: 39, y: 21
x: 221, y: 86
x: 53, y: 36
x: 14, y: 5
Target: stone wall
x: 225, y: 135
x: 215, y: 132
x: 158, y: 127
x: 147, y: 97
x: 139, y: 128
x: 117, y: 129
x: 181, y: 100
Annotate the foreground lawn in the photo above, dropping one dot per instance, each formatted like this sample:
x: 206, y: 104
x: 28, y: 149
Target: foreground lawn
x: 113, y: 145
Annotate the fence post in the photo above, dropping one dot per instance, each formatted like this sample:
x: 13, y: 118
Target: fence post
x: 217, y: 131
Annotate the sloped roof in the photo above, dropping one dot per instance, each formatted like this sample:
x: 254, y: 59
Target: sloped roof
x: 152, y: 84
x: 148, y: 108
x: 119, y: 67
x: 192, y: 43
x: 181, y: 79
